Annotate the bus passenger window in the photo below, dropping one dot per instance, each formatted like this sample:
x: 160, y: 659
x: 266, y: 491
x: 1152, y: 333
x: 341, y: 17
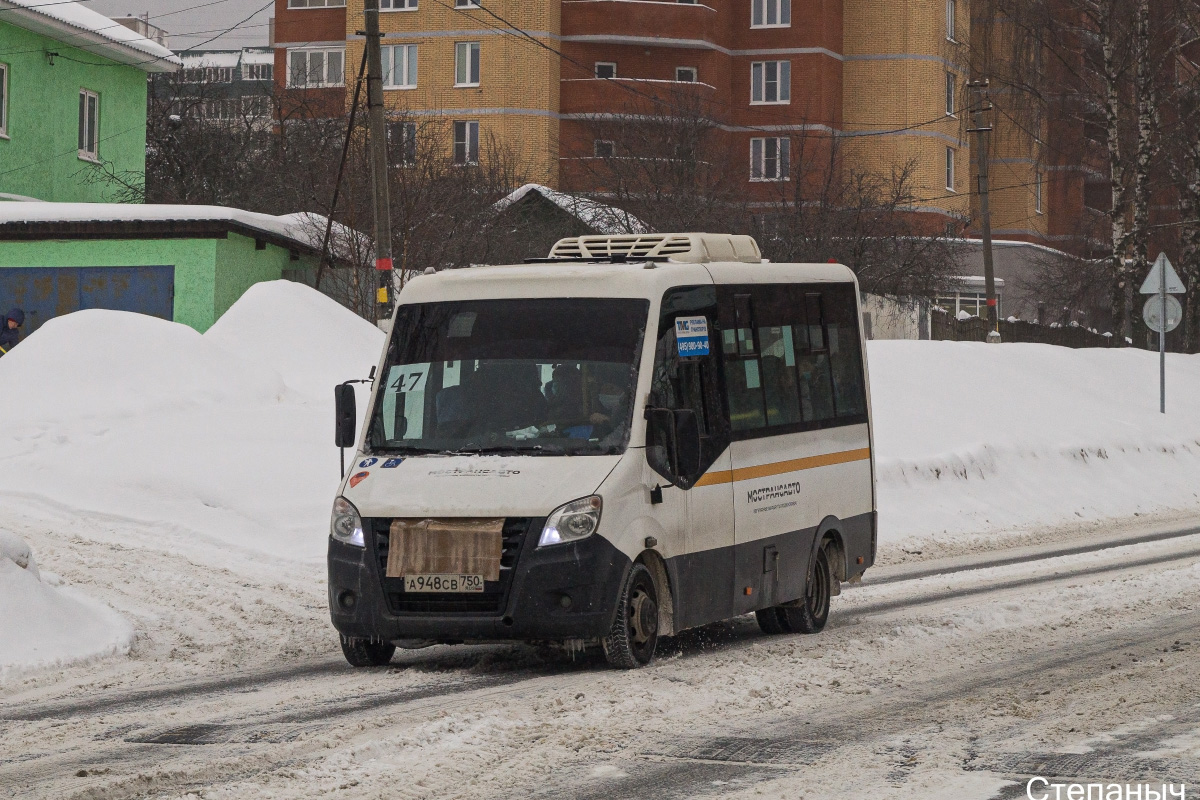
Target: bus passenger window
x: 812, y: 364
x: 743, y: 372
x: 744, y: 384
x: 779, y: 375
x: 846, y: 355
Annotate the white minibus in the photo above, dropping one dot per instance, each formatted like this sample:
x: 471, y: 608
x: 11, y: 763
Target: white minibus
x: 637, y: 435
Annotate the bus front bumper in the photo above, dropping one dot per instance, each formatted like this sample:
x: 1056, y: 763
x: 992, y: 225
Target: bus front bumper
x: 566, y: 591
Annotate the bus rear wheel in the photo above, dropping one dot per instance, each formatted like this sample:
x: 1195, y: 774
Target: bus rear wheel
x: 810, y: 614
x: 366, y: 653
x: 633, y: 636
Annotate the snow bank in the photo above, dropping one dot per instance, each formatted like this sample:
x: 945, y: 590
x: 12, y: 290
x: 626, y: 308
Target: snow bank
x: 973, y: 438
x: 288, y: 328
x: 46, y: 625
x: 136, y: 418
x: 14, y: 549
x: 111, y: 365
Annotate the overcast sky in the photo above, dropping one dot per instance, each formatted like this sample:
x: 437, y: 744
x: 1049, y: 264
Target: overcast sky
x: 190, y: 22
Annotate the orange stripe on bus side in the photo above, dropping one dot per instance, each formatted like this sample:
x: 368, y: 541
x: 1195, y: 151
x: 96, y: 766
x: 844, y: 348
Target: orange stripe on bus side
x: 780, y: 467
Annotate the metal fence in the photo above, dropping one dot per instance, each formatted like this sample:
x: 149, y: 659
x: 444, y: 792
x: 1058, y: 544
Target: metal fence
x: 943, y: 326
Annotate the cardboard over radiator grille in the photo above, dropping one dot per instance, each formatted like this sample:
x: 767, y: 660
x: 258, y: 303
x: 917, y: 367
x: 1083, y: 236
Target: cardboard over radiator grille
x: 445, y: 547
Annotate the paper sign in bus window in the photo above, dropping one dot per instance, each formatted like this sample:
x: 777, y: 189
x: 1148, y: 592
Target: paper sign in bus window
x: 691, y: 336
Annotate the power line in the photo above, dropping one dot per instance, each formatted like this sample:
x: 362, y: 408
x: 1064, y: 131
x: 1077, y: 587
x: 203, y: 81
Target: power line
x: 525, y: 36
x: 134, y: 42
x: 74, y: 152
x: 153, y: 59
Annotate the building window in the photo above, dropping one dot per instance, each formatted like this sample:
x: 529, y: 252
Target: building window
x: 769, y: 159
x: 972, y: 302
x: 258, y: 72
x: 466, y: 142
x: 398, y: 5
x: 950, y: 168
x: 606, y: 69
x: 466, y: 64
x: 951, y: 11
x: 402, y: 143
x: 771, y: 82
x: 316, y: 3
x: 313, y: 68
x: 685, y: 74
x: 602, y: 148
x: 89, y: 125
x: 466, y: 3
x: 208, y: 75
x: 771, y: 14
x: 951, y: 95
x: 4, y: 100
x: 400, y: 66
x: 1037, y: 191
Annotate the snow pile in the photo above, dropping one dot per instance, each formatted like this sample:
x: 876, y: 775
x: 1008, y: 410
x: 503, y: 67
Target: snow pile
x: 974, y: 438
x: 107, y: 365
x: 307, y: 338
x: 45, y: 625
x: 13, y: 548
x: 136, y: 418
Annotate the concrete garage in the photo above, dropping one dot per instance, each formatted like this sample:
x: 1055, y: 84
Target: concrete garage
x: 188, y: 264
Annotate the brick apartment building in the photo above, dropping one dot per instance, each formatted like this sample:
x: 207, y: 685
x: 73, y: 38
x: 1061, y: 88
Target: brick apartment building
x: 886, y: 78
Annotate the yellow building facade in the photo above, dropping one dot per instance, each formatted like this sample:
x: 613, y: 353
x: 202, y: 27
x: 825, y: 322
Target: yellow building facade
x: 474, y: 70
x: 904, y: 95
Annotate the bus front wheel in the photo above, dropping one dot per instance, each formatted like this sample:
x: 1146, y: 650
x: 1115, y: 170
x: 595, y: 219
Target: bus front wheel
x: 633, y: 636
x: 366, y: 653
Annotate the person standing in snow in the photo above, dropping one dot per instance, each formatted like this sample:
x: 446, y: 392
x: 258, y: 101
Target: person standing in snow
x: 10, y: 334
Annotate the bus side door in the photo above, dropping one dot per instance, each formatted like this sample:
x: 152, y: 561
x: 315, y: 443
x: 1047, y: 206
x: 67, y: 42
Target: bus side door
x: 687, y: 376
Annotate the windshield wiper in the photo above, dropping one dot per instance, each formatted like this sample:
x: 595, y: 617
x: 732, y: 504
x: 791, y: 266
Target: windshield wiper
x: 404, y: 449
x: 536, y: 449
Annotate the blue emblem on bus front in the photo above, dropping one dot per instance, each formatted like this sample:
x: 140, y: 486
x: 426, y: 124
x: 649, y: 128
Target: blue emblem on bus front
x: 392, y: 463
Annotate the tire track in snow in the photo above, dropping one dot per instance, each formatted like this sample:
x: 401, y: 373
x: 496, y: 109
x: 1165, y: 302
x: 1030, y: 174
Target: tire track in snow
x: 295, y: 730
x: 249, y: 680
x: 1042, y: 553
x: 684, y: 768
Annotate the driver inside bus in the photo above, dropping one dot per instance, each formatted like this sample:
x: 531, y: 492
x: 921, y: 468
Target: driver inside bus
x: 609, y: 404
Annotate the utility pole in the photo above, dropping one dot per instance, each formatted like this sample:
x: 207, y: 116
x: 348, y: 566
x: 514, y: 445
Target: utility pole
x: 981, y: 129
x: 377, y: 132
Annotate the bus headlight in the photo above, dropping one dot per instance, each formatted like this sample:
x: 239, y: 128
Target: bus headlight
x: 576, y: 520
x: 346, y: 525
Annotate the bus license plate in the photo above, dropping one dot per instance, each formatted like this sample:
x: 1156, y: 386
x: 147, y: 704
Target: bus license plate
x: 443, y: 583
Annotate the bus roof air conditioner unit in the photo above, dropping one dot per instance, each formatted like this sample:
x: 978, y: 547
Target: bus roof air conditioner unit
x: 695, y: 248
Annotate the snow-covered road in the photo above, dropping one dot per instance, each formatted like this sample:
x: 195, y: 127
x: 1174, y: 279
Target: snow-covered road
x: 950, y: 685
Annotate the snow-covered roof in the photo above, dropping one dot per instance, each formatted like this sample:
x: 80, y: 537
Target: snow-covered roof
x: 304, y: 229
x: 75, y: 25
x: 599, y: 217
x: 211, y: 58
x: 258, y: 55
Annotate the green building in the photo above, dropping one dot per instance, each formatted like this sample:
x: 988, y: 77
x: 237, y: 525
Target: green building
x: 183, y: 263
x: 72, y: 99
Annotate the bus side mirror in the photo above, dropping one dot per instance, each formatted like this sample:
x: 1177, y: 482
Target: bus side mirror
x: 660, y: 442
x: 687, y: 444
x: 345, y: 415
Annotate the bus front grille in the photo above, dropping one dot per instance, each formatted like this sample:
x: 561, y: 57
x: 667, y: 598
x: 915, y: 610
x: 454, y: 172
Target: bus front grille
x: 493, y: 598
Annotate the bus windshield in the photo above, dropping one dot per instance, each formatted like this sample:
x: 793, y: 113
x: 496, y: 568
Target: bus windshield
x: 553, y: 376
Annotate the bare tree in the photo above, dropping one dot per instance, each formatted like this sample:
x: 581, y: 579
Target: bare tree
x: 672, y: 163
x: 834, y: 209
x: 1107, y: 64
